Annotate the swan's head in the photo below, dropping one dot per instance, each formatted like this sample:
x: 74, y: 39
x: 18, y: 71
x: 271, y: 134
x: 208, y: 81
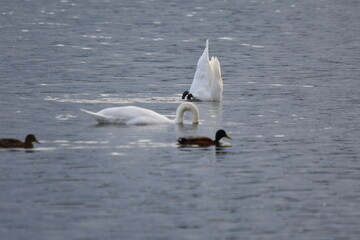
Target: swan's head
x: 184, y: 94
x: 31, y: 138
x: 220, y: 134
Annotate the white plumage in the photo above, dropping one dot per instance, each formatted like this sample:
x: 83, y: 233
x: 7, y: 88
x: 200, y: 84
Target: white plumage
x: 207, y: 84
x: 132, y: 115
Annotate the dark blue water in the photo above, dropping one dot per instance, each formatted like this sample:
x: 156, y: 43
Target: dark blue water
x: 291, y: 104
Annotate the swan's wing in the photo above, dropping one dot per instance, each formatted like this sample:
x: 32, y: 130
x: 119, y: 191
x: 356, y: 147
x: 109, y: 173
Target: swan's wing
x: 98, y: 116
x: 142, y: 116
x: 117, y: 115
x: 148, y: 120
x: 216, y: 88
x: 128, y: 115
x: 202, y: 77
x: 215, y: 66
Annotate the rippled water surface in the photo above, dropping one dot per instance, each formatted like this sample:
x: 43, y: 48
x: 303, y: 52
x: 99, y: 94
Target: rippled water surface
x: 291, y: 104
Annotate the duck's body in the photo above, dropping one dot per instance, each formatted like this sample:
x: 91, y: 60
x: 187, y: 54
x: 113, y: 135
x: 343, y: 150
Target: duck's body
x: 204, y: 141
x: 132, y: 115
x: 207, y: 84
x: 15, y: 143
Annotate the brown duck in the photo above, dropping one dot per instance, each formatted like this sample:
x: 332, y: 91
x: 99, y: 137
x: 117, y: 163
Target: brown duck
x: 204, y: 141
x: 15, y: 143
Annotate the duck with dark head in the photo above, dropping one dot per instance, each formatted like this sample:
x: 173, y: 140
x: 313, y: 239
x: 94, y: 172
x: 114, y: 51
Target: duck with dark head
x: 204, y: 141
x: 15, y: 143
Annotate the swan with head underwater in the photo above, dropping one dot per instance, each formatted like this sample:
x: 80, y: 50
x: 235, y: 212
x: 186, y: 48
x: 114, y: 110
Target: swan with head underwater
x: 207, y: 84
x: 132, y: 115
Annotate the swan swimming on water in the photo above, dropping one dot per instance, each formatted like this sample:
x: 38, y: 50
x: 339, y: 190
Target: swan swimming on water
x: 207, y: 84
x: 132, y: 115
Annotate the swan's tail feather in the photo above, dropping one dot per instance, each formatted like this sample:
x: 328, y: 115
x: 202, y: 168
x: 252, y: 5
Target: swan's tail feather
x: 97, y: 116
x: 207, y: 50
x: 204, y: 58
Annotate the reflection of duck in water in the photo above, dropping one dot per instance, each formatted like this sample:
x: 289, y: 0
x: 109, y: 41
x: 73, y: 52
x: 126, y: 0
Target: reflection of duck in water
x: 204, y: 141
x: 15, y: 143
x: 131, y: 115
x: 207, y: 84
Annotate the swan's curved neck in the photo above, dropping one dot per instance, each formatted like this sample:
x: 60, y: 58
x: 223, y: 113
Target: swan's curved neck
x: 179, y: 118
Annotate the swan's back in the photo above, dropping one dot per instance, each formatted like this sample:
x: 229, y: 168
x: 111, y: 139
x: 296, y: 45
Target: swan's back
x: 130, y: 115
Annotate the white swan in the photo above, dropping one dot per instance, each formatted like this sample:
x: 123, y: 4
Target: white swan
x: 131, y: 115
x: 207, y: 84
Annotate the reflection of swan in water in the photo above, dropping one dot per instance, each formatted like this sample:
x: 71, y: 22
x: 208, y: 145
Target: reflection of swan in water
x: 207, y: 84
x: 15, y: 143
x: 131, y: 115
x: 204, y: 141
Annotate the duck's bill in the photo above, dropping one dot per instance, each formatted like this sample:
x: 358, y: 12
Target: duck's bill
x: 228, y: 137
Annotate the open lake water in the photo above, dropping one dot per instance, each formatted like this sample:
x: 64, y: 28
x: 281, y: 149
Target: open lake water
x: 291, y: 104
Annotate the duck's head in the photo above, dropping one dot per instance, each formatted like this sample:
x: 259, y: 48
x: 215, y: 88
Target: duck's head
x: 220, y: 134
x: 184, y: 94
x: 31, y: 138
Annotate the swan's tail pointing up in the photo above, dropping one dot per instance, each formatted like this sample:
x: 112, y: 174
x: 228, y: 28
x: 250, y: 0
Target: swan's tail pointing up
x: 98, y: 117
